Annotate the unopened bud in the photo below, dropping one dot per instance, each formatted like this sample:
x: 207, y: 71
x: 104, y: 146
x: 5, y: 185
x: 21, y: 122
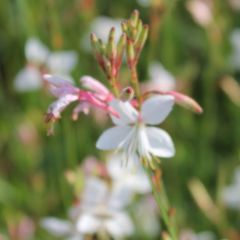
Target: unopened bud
x: 111, y: 46
x: 142, y: 39
x: 127, y: 94
x: 130, y: 53
x: 124, y: 26
x: 134, y: 18
x: 186, y: 102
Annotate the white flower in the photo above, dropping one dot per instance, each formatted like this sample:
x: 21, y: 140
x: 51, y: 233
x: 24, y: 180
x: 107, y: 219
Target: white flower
x: 146, y: 215
x: 132, y: 133
x: 28, y: 79
x: 230, y: 195
x: 102, y: 210
x: 131, y: 176
x: 61, y: 228
x: 35, y: 51
x: 160, y: 79
x: 62, y: 62
x: 188, y: 234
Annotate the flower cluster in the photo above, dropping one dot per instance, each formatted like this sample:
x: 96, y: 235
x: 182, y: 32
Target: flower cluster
x: 101, y: 205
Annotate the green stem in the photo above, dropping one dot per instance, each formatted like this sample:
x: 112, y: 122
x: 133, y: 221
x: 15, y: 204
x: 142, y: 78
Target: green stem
x: 135, y: 82
x: 163, y: 205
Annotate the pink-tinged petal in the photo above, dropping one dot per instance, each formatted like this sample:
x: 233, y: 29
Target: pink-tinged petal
x: 56, y: 226
x: 81, y: 107
x: 58, y: 106
x: 127, y: 113
x: 56, y: 80
x: 156, y: 109
x: 113, y: 138
x: 120, y: 225
x: 94, y: 85
x: 59, y: 86
x: 88, y: 224
x: 160, y: 143
x: 186, y: 102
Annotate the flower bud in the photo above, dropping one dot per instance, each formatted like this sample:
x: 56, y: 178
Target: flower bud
x: 127, y: 94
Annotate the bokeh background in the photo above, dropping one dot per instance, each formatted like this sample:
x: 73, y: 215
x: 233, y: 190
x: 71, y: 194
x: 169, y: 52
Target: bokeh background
x: 201, y: 52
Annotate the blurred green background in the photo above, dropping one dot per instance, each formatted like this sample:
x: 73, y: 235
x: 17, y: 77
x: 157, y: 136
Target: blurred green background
x: 32, y: 165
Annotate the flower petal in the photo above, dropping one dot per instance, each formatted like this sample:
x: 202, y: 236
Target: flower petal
x: 156, y: 109
x: 56, y: 226
x: 62, y: 62
x: 88, y: 224
x: 120, y: 225
x: 36, y: 51
x: 95, y: 192
x: 160, y: 142
x: 113, y: 138
x: 28, y: 79
x: 127, y: 113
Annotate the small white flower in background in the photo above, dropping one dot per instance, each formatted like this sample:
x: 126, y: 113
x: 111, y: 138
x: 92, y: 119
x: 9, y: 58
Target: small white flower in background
x: 146, y: 215
x: 160, y: 79
x: 35, y: 51
x: 102, y: 209
x: 131, y: 176
x: 191, y: 235
x: 61, y: 228
x: 62, y: 62
x: 101, y: 27
x: 231, y: 193
x: 40, y: 60
x: 28, y: 79
x: 235, y: 55
x: 132, y: 133
x: 201, y: 11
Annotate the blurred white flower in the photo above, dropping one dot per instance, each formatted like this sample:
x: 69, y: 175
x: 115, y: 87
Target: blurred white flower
x: 102, y: 209
x: 235, y: 4
x: 101, y: 27
x: 133, y: 133
x: 28, y: 79
x: 160, y: 79
x: 147, y: 216
x: 131, y: 176
x: 231, y: 193
x: 40, y: 60
x: 35, y: 51
x: 62, y: 62
x: 235, y: 55
x: 61, y: 228
x: 191, y: 235
x: 201, y: 11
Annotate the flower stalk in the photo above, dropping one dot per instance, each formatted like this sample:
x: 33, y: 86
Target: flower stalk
x: 163, y: 204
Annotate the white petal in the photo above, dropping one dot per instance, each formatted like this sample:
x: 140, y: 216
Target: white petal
x: 156, y: 109
x: 88, y: 224
x: 160, y: 142
x: 130, y: 176
x: 127, y: 113
x: 56, y: 226
x: 120, y: 196
x: 120, y: 225
x: 36, y: 51
x: 28, y: 79
x: 94, y: 193
x: 62, y: 62
x: 113, y: 138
